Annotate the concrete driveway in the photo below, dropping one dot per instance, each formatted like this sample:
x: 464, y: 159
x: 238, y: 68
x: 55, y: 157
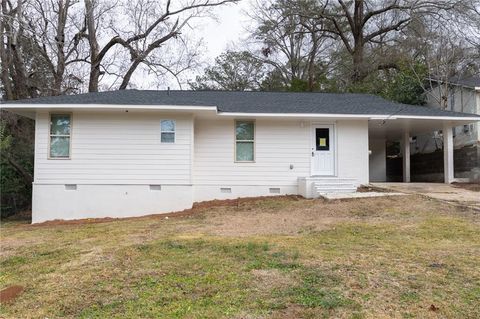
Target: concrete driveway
x: 445, y: 192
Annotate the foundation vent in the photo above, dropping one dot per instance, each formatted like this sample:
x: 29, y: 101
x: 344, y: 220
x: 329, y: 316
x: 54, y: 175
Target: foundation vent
x: 70, y: 187
x: 225, y: 190
x: 275, y: 190
x: 155, y: 187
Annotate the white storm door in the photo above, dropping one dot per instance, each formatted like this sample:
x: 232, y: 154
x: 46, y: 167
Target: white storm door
x: 323, y: 150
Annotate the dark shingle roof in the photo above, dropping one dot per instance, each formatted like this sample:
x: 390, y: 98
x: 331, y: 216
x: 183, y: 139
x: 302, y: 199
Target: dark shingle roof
x: 470, y: 81
x: 252, y: 102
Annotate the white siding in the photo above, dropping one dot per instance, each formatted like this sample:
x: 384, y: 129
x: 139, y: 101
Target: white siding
x: 117, y: 148
x: 378, y: 160
x: 278, y: 144
x: 115, y: 156
x: 352, y: 149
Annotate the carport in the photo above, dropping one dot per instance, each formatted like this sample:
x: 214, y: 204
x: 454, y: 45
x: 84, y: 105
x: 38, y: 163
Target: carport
x: 402, y: 128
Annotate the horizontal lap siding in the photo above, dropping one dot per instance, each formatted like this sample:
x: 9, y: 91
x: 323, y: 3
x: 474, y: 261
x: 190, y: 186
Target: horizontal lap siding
x: 277, y: 143
x: 121, y: 148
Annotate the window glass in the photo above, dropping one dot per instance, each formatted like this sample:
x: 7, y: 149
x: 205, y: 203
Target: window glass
x: 244, y: 141
x: 60, y: 124
x: 167, y: 134
x: 168, y: 137
x: 244, y: 131
x: 59, y: 146
x: 322, y: 139
x: 168, y: 126
x: 60, y: 130
x: 244, y: 151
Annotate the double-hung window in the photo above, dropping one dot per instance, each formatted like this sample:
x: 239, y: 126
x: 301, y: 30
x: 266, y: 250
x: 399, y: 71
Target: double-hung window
x: 60, y: 131
x: 167, y: 131
x: 244, y: 141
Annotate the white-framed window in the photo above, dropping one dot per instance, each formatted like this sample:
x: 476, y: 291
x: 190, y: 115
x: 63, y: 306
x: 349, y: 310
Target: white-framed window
x: 167, y: 131
x: 60, y: 136
x: 244, y: 141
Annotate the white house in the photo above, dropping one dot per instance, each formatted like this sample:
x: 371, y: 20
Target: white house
x: 132, y: 153
x: 459, y: 94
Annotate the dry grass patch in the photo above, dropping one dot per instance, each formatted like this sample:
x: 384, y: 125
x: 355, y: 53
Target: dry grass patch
x: 397, y: 257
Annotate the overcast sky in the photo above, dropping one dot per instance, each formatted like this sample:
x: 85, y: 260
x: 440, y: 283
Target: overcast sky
x: 218, y: 35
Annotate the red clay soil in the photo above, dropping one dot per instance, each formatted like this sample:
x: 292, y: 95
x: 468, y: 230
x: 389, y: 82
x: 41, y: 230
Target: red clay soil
x: 10, y: 293
x: 195, y: 210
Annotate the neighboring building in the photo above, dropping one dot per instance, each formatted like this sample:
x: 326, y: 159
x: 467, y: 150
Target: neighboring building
x: 131, y: 153
x: 459, y: 95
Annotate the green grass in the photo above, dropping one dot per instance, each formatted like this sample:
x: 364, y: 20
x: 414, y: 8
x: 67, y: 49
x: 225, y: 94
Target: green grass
x: 392, y: 261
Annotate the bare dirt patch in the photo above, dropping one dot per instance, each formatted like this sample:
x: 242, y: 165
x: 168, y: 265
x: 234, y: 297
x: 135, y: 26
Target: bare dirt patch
x: 10, y: 293
x: 475, y: 187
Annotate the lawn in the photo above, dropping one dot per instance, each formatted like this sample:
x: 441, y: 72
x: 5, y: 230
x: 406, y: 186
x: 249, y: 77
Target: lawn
x: 399, y: 257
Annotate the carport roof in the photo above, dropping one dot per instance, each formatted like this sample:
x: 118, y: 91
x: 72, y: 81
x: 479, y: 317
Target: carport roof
x: 245, y: 102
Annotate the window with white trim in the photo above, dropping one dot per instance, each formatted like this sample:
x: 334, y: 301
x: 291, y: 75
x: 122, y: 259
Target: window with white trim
x: 244, y: 141
x: 60, y: 131
x: 167, y: 131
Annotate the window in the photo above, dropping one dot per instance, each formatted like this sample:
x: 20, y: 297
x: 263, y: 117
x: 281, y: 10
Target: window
x: 322, y: 139
x: 167, y: 128
x: 60, y: 130
x: 244, y: 141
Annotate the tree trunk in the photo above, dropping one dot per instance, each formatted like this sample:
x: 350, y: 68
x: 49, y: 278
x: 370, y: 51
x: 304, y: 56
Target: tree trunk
x: 94, y: 47
x: 60, y: 43
x: 20, y: 74
x: 4, y: 56
x: 359, y: 72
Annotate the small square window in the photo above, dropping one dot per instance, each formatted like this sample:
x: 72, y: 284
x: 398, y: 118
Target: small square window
x: 167, y: 131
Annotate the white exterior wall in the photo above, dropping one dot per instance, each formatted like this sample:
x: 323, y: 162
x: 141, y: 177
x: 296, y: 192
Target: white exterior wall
x: 115, y: 157
x: 278, y: 145
x: 378, y: 160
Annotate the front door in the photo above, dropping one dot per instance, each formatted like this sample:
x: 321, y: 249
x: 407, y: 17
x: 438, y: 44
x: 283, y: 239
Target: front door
x: 323, y: 150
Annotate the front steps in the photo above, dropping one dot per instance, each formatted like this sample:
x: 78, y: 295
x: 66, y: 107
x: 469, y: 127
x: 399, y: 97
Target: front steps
x: 313, y: 187
x: 324, y: 186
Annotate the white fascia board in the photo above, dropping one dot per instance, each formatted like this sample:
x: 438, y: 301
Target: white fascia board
x: 108, y: 106
x: 350, y: 116
x: 237, y: 114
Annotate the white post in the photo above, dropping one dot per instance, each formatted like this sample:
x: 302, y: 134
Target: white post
x: 406, y: 156
x: 448, y: 153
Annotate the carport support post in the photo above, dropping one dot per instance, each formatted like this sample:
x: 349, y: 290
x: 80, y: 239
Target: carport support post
x: 406, y: 156
x: 448, y: 153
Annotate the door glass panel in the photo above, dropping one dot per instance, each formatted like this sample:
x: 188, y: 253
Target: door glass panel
x: 322, y: 139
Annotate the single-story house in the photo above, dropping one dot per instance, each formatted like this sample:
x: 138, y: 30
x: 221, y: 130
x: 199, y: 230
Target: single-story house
x: 132, y: 152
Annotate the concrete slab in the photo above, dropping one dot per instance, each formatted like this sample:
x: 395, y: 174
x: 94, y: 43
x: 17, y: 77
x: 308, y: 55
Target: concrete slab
x: 445, y: 192
x: 360, y: 195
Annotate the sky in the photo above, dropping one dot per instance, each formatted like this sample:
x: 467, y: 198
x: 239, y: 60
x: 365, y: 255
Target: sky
x: 218, y: 35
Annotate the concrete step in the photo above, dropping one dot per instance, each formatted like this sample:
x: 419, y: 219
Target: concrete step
x: 331, y: 185
x: 336, y: 190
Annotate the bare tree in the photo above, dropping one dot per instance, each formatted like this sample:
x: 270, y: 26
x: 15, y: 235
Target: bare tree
x: 41, y: 40
x: 288, y: 42
x: 360, y: 24
x: 153, y: 23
